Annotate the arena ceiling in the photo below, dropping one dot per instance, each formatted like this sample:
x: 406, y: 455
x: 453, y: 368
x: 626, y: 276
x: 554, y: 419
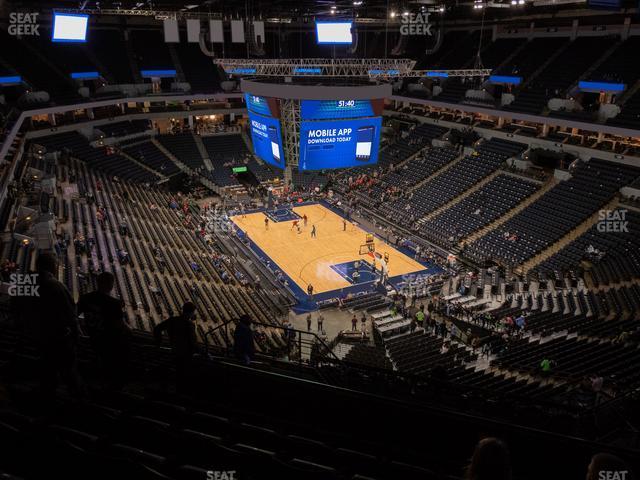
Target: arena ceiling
x: 298, y: 10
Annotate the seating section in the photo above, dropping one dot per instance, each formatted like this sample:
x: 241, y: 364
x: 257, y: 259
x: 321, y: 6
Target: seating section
x: 408, y: 144
x: 67, y: 57
x: 109, y: 47
x: 308, y: 180
x: 167, y: 263
x: 532, y: 56
x: 445, y: 187
x: 480, y: 208
x: 618, y: 68
x: 38, y: 75
x: 402, y: 178
x: 561, y: 73
x: 262, y: 171
x: 368, y: 355
x: 576, y: 358
x: 525, y: 63
x: 630, y: 115
x: 225, y: 151
x: 183, y: 147
x: 418, y: 353
x: 199, y: 70
x: 497, y: 52
x: 592, y: 185
x: 101, y: 157
x: 147, y: 153
x: 463, y: 52
x: 150, y: 49
x: 611, y: 248
x: 160, y: 435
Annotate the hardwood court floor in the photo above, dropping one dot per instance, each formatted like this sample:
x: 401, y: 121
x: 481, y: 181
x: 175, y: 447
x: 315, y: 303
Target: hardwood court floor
x: 308, y: 260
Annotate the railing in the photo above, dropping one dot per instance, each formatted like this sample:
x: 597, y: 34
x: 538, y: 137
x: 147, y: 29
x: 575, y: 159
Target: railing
x: 301, y: 347
x: 308, y: 349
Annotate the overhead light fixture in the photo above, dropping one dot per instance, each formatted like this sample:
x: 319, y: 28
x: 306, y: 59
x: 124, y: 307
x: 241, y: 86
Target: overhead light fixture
x: 441, y: 9
x: 405, y: 14
x: 357, y: 3
x: 392, y: 14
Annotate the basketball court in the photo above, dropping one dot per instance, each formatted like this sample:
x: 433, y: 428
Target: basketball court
x: 328, y: 261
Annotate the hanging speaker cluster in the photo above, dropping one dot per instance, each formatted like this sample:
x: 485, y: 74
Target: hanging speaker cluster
x: 216, y: 31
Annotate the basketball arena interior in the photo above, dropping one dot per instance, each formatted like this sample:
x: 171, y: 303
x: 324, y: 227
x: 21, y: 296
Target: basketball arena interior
x: 320, y: 239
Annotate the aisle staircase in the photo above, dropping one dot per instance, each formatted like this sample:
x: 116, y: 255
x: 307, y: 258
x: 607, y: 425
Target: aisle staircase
x: 203, y: 151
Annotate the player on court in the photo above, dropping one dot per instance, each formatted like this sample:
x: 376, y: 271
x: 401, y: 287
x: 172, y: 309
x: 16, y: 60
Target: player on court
x: 305, y: 219
x: 344, y: 225
x: 295, y: 225
x: 266, y: 223
x: 313, y: 231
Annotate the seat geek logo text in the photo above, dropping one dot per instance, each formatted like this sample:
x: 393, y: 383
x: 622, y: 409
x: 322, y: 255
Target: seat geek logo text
x: 23, y: 24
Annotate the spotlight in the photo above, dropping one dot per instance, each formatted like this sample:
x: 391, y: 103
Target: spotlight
x: 441, y: 9
x: 357, y: 3
x: 405, y: 14
x: 392, y: 14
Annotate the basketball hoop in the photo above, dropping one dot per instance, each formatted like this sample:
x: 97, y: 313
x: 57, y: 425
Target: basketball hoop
x: 367, y: 249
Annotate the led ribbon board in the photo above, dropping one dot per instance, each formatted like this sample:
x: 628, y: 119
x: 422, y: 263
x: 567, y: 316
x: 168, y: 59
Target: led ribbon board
x: 586, y: 86
x: 258, y: 105
x: 505, y: 79
x: 335, y: 109
x: 85, y: 75
x: 158, y: 73
x: 11, y: 80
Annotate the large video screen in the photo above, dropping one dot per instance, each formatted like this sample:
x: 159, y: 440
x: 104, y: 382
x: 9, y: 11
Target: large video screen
x: 69, y: 27
x: 267, y: 139
x: 334, y: 33
x: 339, y: 143
x: 338, y: 109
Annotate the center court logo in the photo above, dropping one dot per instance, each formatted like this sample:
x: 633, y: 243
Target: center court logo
x: 612, y: 221
x: 415, y: 24
x: 24, y: 285
x: 23, y: 24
